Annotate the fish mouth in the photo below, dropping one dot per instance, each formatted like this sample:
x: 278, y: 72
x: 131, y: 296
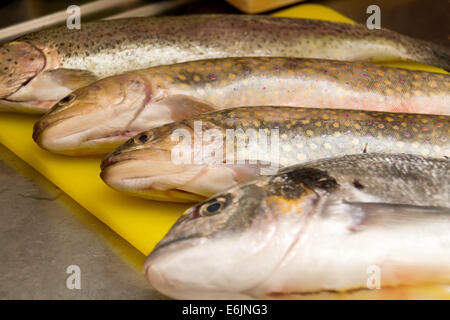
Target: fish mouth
x: 43, y: 124
x: 153, y: 272
x: 31, y: 107
x: 153, y: 174
x: 154, y: 180
x: 49, y: 134
x: 185, y: 242
x: 20, y: 63
x: 183, y: 265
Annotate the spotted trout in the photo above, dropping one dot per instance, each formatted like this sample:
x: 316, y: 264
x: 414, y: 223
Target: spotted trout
x: 38, y: 69
x: 99, y: 117
x: 331, y: 225
x: 195, y: 158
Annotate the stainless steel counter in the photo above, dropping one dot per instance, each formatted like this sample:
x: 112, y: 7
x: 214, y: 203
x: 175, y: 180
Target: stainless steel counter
x: 43, y: 232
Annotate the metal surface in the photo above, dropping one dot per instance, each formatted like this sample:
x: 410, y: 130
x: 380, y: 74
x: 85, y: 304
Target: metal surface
x: 60, y: 17
x: 150, y: 9
x: 43, y: 231
x: 89, y: 11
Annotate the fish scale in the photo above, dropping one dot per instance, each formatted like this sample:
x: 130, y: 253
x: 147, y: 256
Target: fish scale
x: 395, y: 169
x: 163, y: 94
x: 224, y: 35
x: 307, y: 82
x: 336, y: 225
x: 309, y: 133
x: 301, y: 135
x: 105, y: 48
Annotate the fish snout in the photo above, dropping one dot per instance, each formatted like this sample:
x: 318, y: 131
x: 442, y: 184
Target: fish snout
x: 164, y: 270
x: 56, y: 133
x: 39, y: 128
x: 43, y: 137
x: 20, y: 62
x: 110, y: 160
x: 121, y: 153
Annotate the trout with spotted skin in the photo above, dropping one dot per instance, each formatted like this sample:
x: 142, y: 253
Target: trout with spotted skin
x: 97, y: 118
x: 39, y: 69
x: 198, y: 157
x: 325, y: 226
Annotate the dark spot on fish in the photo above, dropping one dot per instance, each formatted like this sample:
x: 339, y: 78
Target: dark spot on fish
x: 365, y: 148
x: 292, y: 183
x: 358, y: 185
x: 66, y: 100
x: 143, y: 138
x: 213, y: 207
x: 291, y: 190
x: 313, y: 178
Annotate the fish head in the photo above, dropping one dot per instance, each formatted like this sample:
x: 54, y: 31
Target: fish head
x: 93, y: 119
x: 166, y: 163
x: 229, y: 245
x: 31, y: 79
x: 19, y: 63
x: 188, y: 263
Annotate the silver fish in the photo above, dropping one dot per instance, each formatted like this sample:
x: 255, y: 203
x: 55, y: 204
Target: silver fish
x: 312, y: 228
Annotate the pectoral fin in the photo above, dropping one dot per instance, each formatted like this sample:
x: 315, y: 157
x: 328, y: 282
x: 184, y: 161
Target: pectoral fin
x: 72, y: 78
x: 53, y: 85
x: 184, y: 106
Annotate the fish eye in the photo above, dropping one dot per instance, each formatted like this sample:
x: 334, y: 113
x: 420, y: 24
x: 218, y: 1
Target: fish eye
x: 66, y: 100
x: 143, y: 137
x: 214, y: 206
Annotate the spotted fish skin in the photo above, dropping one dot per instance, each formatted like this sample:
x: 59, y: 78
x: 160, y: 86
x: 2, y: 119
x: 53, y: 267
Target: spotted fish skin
x: 121, y: 106
x: 302, y: 134
x: 104, y: 48
x: 111, y: 47
x: 307, y: 134
x: 318, y: 83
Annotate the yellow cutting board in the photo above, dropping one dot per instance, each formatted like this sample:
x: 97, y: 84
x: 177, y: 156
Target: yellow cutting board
x: 257, y: 6
x: 143, y: 222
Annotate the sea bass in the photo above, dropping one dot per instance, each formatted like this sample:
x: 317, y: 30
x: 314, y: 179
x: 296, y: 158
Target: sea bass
x: 198, y: 157
x: 39, y: 69
x: 97, y: 118
x: 327, y: 226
